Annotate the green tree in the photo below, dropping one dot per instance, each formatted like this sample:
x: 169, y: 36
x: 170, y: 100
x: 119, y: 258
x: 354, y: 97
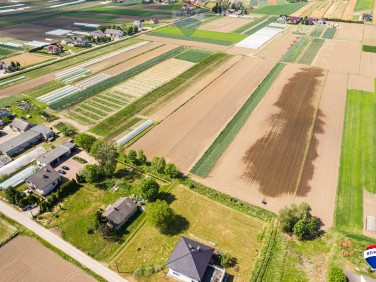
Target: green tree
x: 85, y: 141
x: 106, y: 156
x: 171, y: 170
x: 91, y: 173
x: 149, y: 189
x: 158, y: 164
x: 12, y: 195
x: 96, y: 145
x: 160, y: 215
x: 132, y: 156
x: 336, y: 275
x: 226, y: 260
x: 141, y: 157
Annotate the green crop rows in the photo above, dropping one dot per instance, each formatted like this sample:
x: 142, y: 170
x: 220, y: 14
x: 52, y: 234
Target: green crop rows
x: 293, y: 53
x: 279, y: 9
x: 358, y: 155
x: 112, y: 81
x: 311, y: 52
x: 329, y: 33
x: 212, y: 155
x: 194, y: 55
x: 363, y: 5
x: 317, y: 31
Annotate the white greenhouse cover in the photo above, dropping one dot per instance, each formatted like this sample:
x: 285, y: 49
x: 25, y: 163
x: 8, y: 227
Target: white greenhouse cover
x: 135, y: 132
x: 371, y: 223
x: 20, y: 177
x: 22, y: 161
x: 259, y: 38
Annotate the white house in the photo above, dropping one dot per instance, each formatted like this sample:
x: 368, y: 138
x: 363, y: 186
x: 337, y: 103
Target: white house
x: 44, y: 181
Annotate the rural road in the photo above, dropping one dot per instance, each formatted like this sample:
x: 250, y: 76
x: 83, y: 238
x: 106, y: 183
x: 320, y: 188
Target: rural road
x: 61, y: 244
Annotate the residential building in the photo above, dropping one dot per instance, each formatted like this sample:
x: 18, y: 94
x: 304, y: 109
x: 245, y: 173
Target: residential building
x: 44, y: 181
x: 118, y: 213
x: 80, y: 42
x: 20, y: 143
x: 114, y: 33
x: 20, y: 125
x: 190, y: 262
x: 139, y: 25
x: 67, y: 41
x: 97, y: 34
x: 153, y: 21
x: 54, y: 156
x: 45, y: 132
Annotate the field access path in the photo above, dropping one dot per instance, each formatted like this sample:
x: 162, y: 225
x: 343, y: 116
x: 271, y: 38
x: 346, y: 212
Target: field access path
x: 61, y: 244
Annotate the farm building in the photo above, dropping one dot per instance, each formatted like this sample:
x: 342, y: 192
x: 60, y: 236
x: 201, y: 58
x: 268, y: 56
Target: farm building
x: 4, y: 113
x: 4, y: 159
x: 190, y: 261
x: 118, y: 213
x: 20, y: 125
x: 54, y: 156
x: 97, y: 34
x: 44, y: 181
x: 153, y: 21
x: 114, y: 33
x: 19, y: 178
x: 67, y: 41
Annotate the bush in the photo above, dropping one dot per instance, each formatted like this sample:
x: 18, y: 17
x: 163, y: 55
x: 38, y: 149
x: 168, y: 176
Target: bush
x: 171, y: 170
x: 85, y: 141
x: 336, y: 275
x: 80, y: 160
x: 66, y: 130
x: 149, y: 189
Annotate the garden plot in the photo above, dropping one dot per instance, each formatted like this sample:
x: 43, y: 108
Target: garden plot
x: 72, y: 74
x: 27, y: 59
x: 259, y: 38
x: 58, y: 94
x: 92, y: 80
x: 153, y: 78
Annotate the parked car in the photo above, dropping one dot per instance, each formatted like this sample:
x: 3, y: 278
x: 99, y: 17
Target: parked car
x: 65, y: 167
x: 62, y: 171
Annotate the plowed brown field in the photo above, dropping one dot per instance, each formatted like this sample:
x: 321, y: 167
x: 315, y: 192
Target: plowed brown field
x: 224, y: 24
x: 185, y: 135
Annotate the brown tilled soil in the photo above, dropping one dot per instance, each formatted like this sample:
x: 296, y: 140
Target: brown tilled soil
x: 332, y: 9
x: 25, y: 259
x: 369, y: 35
x: 352, y: 32
x: 342, y: 56
x: 303, y: 9
x: 279, y: 48
x: 23, y: 86
x: 368, y: 64
x: 28, y: 32
x: 185, y: 135
x: 348, y: 13
x: 224, y: 24
x: 360, y: 82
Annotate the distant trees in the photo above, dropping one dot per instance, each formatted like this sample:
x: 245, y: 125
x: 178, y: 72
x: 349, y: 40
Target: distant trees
x: 12, y: 67
x: 299, y: 221
x: 160, y: 215
x: 158, y: 164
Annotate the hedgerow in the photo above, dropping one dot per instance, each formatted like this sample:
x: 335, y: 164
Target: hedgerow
x: 112, y: 81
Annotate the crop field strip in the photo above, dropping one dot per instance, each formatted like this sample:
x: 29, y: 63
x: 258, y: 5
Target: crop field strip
x: 114, y: 80
x: 206, y: 163
x: 364, y: 5
x: 317, y: 31
x: 311, y: 52
x: 357, y: 160
x: 194, y: 55
x: 293, y: 53
x: 126, y: 12
x: 249, y: 25
x: 329, y: 33
x: 119, y: 122
x: 285, y: 9
x: 260, y: 26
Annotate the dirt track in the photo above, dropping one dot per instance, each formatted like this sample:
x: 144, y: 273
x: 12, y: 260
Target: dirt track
x: 185, y: 135
x: 25, y: 259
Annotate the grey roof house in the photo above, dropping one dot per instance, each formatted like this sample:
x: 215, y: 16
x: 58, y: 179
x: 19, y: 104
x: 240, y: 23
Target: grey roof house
x: 20, y: 125
x: 118, y: 213
x: 54, y: 156
x: 44, y: 181
x: 4, y: 113
x: 46, y: 132
x: 190, y: 261
x: 113, y: 33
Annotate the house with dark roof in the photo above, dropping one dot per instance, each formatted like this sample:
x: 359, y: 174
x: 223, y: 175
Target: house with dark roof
x: 97, y: 34
x: 20, y: 125
x: 54, y: 156
x: 190, y: 261
x: 118, y: 213
x: 45, y: 132
x: 44, y: 181
x: 4, y: 113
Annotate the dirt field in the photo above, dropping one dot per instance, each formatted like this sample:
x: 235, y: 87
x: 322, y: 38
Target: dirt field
x: 352, y: 32
x: 331, y: 10
x: 279, y: 48
x: 369, y: 35
x: 25, y: 259
x: 241, y: 51
x: 319, y: 13
x: 320, y: 173
x: 359, y: 82
x: 224, y: 24
x: 368, y: 64
x: 266, y: 157
x: 348, y: 13
x: 23, y: 86
x: 342, y: 56
x: 27, y: 32
x: 27, y: 59
x: 185, y: 135
x: 303, y: 9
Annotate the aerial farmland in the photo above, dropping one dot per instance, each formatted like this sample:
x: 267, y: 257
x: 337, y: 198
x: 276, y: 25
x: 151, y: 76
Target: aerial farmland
x: 244, y: 128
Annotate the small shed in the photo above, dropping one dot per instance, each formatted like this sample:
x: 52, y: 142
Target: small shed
x: 371, y: 224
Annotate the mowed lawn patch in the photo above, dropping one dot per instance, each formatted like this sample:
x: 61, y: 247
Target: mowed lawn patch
x: 220, y: 38
x: 358, y: 165
x: 310, y: 54
x: 212, y: 155
x: 363, y: 5
x: 207, y: 221
x: 279, y: 9
x: 370, y: 49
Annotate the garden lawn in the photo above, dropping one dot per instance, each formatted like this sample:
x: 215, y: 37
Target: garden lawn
x: 310, y: 54
x: 363, y: 5
x: 358, y: 165
x: 6, y: 230
x: 208, y: 221
x: 213, y: 154
x: 285, y: 9
x: 206, y: 36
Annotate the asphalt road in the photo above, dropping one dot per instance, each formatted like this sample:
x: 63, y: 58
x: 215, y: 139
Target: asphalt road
x: 61, y: 244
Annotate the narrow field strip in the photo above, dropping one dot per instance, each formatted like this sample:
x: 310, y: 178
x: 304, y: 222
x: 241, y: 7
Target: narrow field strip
x: 329, y: 33
x: 317, y: 31
x: 310, y: 54
x: 80, y: 118
x: 260, y: 26
x: 285, y: 9
x: 206, y: 163
x: 194, y: 55
x: 249, y: 25
x: 87, y: 113
x: 93, y: 110
x: 293, y: 53
x: 100, y: 106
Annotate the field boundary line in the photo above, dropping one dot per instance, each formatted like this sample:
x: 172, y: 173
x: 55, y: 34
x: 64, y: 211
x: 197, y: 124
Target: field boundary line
x: 309, y: 140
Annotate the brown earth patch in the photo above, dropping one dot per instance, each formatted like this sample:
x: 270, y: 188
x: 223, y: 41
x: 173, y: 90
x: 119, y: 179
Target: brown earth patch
x: 349, y: 11
x: 27, y: 59
x: 360, y: 82
x: 224, y: 24
x: 369, y: 35
x: 350, y: 31
x: 281, y: 47
x: 368, y: 64
x: 303, y: 9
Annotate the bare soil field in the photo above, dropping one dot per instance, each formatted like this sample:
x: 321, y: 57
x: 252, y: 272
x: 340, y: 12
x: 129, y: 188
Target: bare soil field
x: 318, y: 183
x: 360, y: 82
x: 202, y: 45
x: 185, y: 135
x: 281, y: 47
x: 340, y: 10
x: 331, y: 10
x: 163, y: 112
x: 224, y: 24
x: 241, y: 51
x: 25, y: 259
x: 122, y: 57
x: 342, y: 56
x: 349, y: 11
x: 23, y: 86
x: 368, y: 64
x: 27, y: 32
x: 65, y: 22
x: 27, y: 59
x: 369, y: 35
x: 266, y: 157
x: 352, y: 32
x: 369, y: 203
x: 319, y: 13
x: 303, y: 9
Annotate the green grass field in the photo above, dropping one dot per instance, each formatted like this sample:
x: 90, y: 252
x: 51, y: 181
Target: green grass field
x: 213, y: 154
x: 5, y: 52
x: 150, y: 247
x: 213, y: 37
x: 171, y: 7
x: 293, y: 53
x: 194, y: 55
x: 125, y: 12
x: 358, y: 163
x: 329, y: 33
x: 363, y: 5
x: 279, y: 9
x: 310, y: 54
x: 368, y: 48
